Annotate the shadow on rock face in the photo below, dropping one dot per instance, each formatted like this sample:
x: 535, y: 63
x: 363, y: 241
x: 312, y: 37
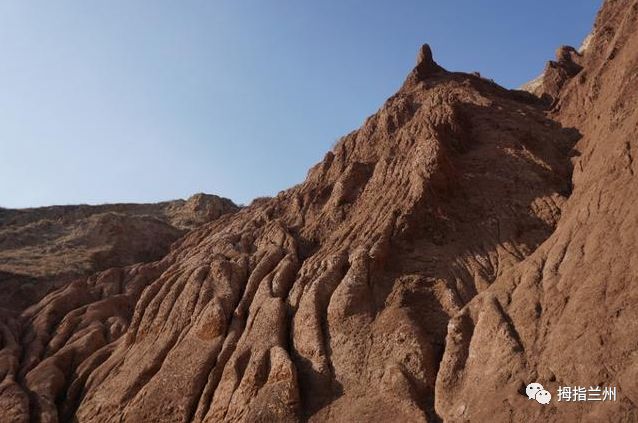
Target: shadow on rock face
x: 332, y: 299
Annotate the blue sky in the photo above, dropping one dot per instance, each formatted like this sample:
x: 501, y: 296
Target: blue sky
x: 142, y: 101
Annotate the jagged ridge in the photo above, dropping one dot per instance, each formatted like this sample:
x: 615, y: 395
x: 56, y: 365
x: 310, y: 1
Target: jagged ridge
x: 332, y: 300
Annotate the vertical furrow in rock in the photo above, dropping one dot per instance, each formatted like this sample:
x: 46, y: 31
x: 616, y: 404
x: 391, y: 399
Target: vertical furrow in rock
x: 333, y: 299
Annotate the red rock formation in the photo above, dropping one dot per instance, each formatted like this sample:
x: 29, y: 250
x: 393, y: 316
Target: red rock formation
x: 45, y: 247
x: 436, y: 261
x: 567, y: 315
x: 548, y: 86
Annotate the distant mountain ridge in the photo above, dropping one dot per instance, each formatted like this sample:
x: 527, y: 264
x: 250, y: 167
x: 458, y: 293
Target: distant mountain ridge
x: 46, y: 246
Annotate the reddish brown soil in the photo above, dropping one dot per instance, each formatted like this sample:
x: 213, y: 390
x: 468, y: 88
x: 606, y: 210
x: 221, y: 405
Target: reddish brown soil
x: 464, y: 242
x: 45, y: 247
x: 567, y: 315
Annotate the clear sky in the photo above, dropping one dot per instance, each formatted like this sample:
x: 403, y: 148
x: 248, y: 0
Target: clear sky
x: 141, y: 101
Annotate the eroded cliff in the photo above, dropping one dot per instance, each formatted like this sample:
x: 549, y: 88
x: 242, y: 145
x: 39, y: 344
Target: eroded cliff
x: 465, y: 241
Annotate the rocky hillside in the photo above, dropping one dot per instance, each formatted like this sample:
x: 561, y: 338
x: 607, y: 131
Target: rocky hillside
x: 465, y: 241
x: 48, y: 246
x: 568, y: 314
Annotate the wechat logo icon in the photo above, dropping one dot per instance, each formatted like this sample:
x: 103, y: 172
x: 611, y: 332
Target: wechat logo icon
x: 537, y: 392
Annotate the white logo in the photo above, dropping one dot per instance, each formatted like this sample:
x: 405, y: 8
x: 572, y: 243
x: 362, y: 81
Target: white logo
x: 537, y: 392
x: 543, y: 397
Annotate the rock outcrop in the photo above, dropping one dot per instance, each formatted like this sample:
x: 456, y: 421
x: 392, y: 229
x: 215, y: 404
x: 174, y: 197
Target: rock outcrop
x: 328, y: 301
x: 464, y: 242
x: 45, y: 247
x: 556, y: 74
x: 567, y: 315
